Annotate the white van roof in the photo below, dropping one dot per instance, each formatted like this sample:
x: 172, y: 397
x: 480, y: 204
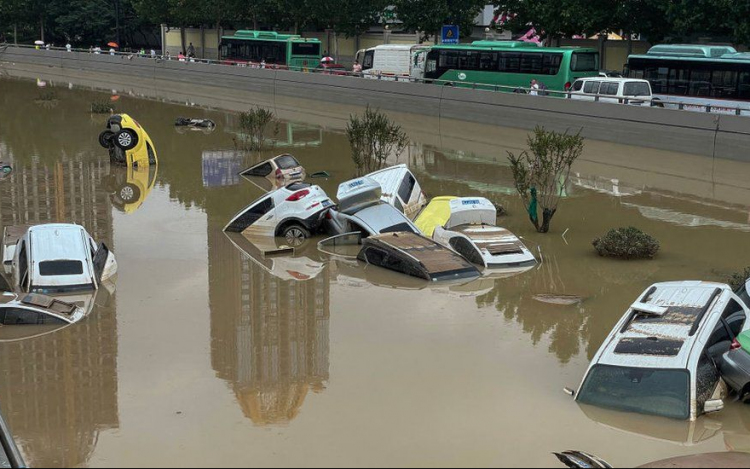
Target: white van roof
x: 390, y: 180
x: 472, y: 211
x: 661, y: 328
x: 614, y: 80
x: 396, y: 47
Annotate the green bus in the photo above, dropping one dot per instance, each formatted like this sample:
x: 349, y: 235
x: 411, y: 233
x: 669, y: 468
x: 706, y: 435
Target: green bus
x: 511, y: 65
x: 274, y: 49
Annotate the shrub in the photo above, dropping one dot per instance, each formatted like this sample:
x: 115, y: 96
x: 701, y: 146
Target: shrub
x: 102, y: 107
x: 627, y: 243
x: 373, y: 138
x: 738, y: 279
x: 542, y: 173
x: 255, y: 125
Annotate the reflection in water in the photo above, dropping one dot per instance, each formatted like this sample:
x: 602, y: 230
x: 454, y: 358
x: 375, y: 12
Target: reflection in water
x: 269, y: 336
x: 129, y: 187
x: 60, y: 390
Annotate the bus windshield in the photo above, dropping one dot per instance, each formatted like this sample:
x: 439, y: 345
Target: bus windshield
x: 664, y: 393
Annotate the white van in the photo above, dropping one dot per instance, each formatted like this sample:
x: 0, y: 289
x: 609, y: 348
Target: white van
x: 613, y: 90
x: 393, y: 61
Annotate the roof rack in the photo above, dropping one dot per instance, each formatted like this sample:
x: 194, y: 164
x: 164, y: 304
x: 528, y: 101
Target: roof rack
x: 704, y: 311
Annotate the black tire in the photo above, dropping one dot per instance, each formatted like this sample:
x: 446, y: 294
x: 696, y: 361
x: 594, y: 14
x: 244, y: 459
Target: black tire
x: 295, y: 235
x: 126, y: 139
x: 129, y: 193
x: 106, y: 138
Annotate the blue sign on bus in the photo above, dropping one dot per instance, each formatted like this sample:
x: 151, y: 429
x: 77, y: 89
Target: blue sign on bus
x: 450, y: 34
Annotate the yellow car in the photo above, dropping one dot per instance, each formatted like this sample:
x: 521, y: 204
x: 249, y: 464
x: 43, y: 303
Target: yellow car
x: 127, y: 142
x: 129, y: 187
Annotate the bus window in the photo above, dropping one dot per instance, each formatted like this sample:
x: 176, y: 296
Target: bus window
x: 306, y: 48
x: 724, y: 85
x: 679, y: 82
x: 551, y: 64
x: 585, y: 62
x: 510, y: 62
x: 744, y: 85
x: 468, y: 60
x: 700, y: 83
x: 531, y: 64
x: 488, y: 61
x: 659, y: 78
x: 448, y: 59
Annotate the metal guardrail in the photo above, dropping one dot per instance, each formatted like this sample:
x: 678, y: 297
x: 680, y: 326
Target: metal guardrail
x: 9, y: 446
x: 654, y: 102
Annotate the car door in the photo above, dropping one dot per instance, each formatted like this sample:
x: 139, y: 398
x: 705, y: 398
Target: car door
x: 100, y: 261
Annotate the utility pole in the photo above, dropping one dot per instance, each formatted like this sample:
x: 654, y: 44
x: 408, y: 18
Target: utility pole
x: 117, y: 22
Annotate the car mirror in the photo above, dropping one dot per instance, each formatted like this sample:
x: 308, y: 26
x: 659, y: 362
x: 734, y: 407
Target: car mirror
x: 716, y: 405
x: 569, y: 392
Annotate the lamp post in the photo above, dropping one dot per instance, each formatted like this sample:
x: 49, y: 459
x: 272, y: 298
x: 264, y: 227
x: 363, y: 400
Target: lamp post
x: 387, y: 34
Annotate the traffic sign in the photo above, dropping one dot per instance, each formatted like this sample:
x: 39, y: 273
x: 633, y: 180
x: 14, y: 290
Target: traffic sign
x: 450, y: 34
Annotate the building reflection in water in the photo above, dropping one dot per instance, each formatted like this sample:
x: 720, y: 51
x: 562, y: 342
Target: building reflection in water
x: 269, y: 334
x: 60, y: 390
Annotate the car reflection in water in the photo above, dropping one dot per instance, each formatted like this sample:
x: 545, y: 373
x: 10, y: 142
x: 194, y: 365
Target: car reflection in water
x: 278, y: 259
x: 129, y: 187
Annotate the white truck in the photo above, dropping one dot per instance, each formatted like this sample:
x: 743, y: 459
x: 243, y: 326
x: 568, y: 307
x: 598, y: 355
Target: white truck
x: 393, y: 62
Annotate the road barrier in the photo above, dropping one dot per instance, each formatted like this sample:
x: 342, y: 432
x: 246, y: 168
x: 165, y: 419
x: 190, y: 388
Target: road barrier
x: 705, y: 134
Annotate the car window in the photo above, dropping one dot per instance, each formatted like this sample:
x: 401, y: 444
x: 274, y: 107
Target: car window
x: 287, y: 162
x: 591, y: 87
x: 369, y: 60
x: 707, y: 378
x: 578, y: 86
x: 407, y: 187
x: 664, y: 393
x: 610, y: 89
x: 400, y: 228
x: 54, y: 268
x: 262, y: 170
x: 375, y: 256
x: 636, y: 89
x: 23, y: 264
x: 24, y: 317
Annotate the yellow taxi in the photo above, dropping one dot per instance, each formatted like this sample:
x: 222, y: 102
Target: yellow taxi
x: 129, y: 187
x: 128, y: 143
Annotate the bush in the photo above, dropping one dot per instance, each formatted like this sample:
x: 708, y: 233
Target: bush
x: 255, y: 124
x: 102, y: 107
x: 373, y: 138
x: 738, y: 279
x: 627, y: 243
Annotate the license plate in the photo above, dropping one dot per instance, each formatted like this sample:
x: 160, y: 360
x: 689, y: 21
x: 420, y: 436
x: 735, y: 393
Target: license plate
x: 327, y: 204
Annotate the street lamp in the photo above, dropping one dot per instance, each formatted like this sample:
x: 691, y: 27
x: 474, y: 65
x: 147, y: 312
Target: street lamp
x: 387, y: 34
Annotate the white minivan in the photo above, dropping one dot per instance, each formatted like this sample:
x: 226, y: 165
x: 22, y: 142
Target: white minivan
x: 393, y: 61
x: 613, y: 90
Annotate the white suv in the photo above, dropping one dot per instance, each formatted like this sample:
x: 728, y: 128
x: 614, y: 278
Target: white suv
x: 613, y: 90
x: 662, y: 358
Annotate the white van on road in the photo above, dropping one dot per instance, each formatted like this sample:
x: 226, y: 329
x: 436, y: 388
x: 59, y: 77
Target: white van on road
x: 393, y: 61
x: 613, y: 90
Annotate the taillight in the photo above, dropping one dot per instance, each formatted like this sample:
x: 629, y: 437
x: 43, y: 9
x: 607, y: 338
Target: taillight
x: 736, y: 345
x: 329, y: 216
x: 568, y: 85
x: 297, y: 196
x: 279, y: 174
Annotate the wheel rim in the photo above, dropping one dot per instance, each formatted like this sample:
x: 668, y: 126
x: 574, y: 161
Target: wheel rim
x: 295, y: 236
x: 127, y: 193
x: 125, y: 139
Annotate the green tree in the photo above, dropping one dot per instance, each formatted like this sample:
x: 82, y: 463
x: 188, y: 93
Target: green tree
x: 558, y: 18
x: 429, y: 16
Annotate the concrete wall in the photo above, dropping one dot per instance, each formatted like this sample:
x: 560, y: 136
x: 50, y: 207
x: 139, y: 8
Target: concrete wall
x: 710, y: 135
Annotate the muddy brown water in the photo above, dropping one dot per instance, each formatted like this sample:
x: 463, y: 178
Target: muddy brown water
x: 208, y: 354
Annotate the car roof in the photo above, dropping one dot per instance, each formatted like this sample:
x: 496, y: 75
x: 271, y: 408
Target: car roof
x: 662, y: 327
x: 381, y: 216
x: 614, y: 79
x: 390, y: 179
x: 58, y: 242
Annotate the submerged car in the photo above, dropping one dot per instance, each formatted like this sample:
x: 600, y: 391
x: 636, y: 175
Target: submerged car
x: 361, y: 210
x: 417, y: 256
x: 5, y: 170
x: 400, y: 189
x: 127, y: 142
x: 282, y: 167
x: 203, y: 125
x: 56, y: 258
x: 661, y: 358
x: 281, y: 261
x: 294, y: 212
x: 734, y: 364
x: 467, y: 225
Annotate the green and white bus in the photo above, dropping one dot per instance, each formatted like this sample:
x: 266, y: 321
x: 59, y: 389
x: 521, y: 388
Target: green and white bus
x: 272, y: 49
x: 509, y: 65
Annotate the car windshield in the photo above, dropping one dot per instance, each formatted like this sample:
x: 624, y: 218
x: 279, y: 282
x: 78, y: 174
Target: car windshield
x: 665, y: 393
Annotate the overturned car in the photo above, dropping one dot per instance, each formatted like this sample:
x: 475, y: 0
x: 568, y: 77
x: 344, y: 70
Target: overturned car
x: 128, y: 143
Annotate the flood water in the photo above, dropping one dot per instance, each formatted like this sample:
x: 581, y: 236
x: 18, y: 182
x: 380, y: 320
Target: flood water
x: 208, y: 355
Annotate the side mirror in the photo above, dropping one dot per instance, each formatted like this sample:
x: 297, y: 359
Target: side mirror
x: 572, y: 393
x: 713, y: 406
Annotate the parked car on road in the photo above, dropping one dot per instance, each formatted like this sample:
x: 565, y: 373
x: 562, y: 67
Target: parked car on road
x: 613, y: 90
x: 294, y: 212
x: 661, y: 358
x: 128, y: 143
x: 467, y: 226
x: 56, y: 258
